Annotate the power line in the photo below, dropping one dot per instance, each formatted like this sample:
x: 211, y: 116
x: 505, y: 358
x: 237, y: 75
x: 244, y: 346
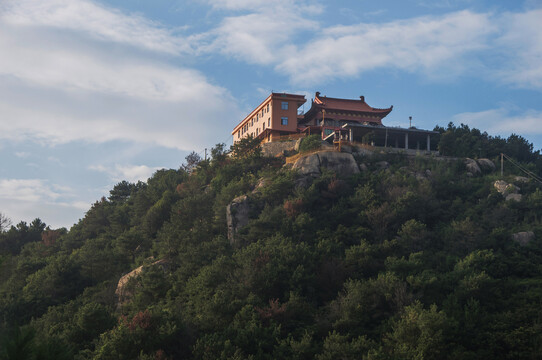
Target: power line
x: 526, y: 171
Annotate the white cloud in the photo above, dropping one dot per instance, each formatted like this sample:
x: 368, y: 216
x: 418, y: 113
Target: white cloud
x: 28, y: 190
x: 58, y: 85
x: 307, y: 7
x: 131, y: 173
x: 426, y: 44
x: 502, y: 47
x: 64, y: 66
x: 504, y: 121
x: 264, y: 35
x: 522, y: 46
x: 94, y: 20
x: 27, y: 199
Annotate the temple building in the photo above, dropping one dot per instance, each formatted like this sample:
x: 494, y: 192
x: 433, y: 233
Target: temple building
x: 336, y: 120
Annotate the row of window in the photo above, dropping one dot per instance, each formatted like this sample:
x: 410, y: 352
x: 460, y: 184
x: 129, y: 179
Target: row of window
x: 283, y: 121
x: 260, y: 114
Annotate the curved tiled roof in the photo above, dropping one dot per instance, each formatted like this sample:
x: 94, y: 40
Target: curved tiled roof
x: 360, y: 105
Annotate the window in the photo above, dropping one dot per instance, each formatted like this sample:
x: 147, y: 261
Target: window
x: 267, y: 107
x: 284, y: 121
x: 284, y: 105
x: 268, y: 122
x: 263, y: 127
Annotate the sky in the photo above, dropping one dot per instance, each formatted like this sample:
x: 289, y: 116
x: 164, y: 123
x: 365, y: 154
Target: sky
x: 93, y: 92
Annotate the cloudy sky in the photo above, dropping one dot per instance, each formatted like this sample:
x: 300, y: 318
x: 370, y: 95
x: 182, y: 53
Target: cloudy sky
x: 93, y: 92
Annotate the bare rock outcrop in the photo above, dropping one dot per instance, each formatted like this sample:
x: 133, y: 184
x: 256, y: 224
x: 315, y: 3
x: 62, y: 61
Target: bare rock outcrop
x: 486, y: 165
x: 521, y: 179
x: 514, y: 197
x: 472, y: 167
x: 523, y: 238
x: 262, y: 182
x: 278, y: 148
x: 237, y: 216
x: 502, y: 187
x: 308, y: 165
x: 509, y: 191
x: 297, y: 143
x: 343, y: 164
x: 123, y: 293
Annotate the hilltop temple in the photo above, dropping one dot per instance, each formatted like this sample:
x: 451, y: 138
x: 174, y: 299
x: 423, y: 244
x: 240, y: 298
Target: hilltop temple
x: 347, y: 120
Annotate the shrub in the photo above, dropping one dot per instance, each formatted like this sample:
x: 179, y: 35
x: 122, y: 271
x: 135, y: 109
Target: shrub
x: 311, y: 142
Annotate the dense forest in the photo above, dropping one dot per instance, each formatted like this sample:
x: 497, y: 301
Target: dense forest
x: 414, y: 257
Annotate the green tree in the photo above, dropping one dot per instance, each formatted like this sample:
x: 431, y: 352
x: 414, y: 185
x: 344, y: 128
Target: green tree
x: 420, y: 334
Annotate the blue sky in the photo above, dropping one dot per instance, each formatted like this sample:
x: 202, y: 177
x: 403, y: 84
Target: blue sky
x: 93, y: 92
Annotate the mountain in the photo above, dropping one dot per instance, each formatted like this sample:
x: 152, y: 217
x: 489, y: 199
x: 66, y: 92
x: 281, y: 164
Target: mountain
x: 247, y: 257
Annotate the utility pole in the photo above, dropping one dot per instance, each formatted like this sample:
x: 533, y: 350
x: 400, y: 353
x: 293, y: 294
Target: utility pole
x: 205, y: 154
x: 502, y: 164
x: 410, y: 122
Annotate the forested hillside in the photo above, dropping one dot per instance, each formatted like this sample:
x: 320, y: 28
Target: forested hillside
x: 412, y: 258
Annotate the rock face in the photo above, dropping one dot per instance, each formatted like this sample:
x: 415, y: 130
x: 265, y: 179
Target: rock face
x: 521, y: 179
x: 237, y: 215
x: 523, y: 238
x: 514, y: 197
x: 486, y: 165
x: 472, y: 167
x: 275, y: 148
x: 123, y: 294
x: 509, y: 191
x: 308, y: 165
x: 261, y: 184
x: 343, y: 164
x: 297, y: 143
x: 503, y: 187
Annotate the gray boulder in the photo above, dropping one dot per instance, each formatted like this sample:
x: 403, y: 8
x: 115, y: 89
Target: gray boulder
x: 237, y: 216
x: 521, y: 179
x: 486, y: 165
x: 514, y: 197
x: 308, y: 165
x: 343, y: 164
x: 505, y: 188
x: 472, y: 167
x: 523, y: 238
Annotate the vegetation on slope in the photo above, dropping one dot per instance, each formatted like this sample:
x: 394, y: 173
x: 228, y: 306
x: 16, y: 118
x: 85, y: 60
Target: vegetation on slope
x: 415, y: 261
